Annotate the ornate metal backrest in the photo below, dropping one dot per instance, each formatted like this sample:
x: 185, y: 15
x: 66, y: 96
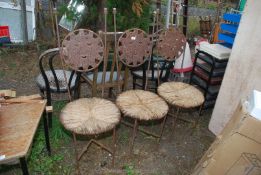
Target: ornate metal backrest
x: 134, y: 47
x: 82, y: 50
x: 170, y: 44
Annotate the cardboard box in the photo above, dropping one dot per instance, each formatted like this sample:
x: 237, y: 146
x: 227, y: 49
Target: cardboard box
x: 242, y: 135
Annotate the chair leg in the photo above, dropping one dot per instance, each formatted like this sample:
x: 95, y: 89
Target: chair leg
x: 134, y: 132
x: 201, y: 109
x: 199, y: 115
x: 162, y: 127
x: 176, y: 117
x: 76, y: 154
x: 114, y: 146
x: 134, y: 83
x: 110, y: 92
x: 49, y: 103
x: 50, y: 119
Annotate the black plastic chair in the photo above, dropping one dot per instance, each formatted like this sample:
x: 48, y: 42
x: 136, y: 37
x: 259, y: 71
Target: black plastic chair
x: 53, y: 79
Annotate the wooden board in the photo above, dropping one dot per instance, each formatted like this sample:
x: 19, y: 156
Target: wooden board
x: 243, y: 70
x: 18, y: 124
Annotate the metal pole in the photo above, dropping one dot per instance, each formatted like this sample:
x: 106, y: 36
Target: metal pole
x: 185, y: 17
x: 168, y: 13
x: 24, y: 22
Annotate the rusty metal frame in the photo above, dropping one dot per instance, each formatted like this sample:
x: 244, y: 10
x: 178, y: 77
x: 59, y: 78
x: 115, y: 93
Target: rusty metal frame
x: 176, y: 117
x: 136, y: 128
x: 106, y: 148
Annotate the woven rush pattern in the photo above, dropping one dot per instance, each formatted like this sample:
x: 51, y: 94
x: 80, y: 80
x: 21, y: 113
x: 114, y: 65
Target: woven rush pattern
x: 142, y: 105
x: 181, y: 94
x: 82, y: 50
x: 134, y: 47
x: 88, y: 116
x: 170, y: 44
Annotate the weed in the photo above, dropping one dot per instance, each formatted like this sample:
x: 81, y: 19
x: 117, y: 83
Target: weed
x: 129, y: 170
x: 12, y: 65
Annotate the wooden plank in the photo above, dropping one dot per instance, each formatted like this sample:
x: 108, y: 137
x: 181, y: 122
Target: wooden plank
x: 243, y: 69
x: 7, y: 93
x: 22, y: 99
x: 18, y: 124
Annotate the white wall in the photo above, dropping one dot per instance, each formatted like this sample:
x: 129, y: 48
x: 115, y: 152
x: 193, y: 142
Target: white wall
x: 243, y: 73
x: 10, y: 15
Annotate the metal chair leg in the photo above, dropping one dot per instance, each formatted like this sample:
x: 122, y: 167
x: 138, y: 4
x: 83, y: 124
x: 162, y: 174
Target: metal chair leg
x: 162, y: 127
x: 24, y: 166
x: 46, y: 133
x: 114, y: 147
x: 134, y: 132
x: 199, y: 115
x: 134, y: 83
x: 176, y: 117
x: 76, y: 154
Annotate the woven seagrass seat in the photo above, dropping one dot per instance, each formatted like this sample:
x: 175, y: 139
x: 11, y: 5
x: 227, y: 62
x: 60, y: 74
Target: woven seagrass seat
x: 89, y: 116
x: 181, y: 94
x: 142, y: 105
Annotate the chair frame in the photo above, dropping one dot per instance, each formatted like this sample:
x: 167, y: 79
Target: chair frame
x: 135, y: 126
x: 95, y: 69
x: 52, y: 53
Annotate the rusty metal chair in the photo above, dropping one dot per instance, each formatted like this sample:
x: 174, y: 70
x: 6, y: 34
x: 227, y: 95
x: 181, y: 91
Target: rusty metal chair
x: 170, y: 45
x: 83, y: 51
x: 133, y: 49
x: 52, y: 78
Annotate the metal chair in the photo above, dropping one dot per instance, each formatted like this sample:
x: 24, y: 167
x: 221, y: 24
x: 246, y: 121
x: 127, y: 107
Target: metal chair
x: 171, y: 44
x: 83, y: 51
x: 134, y: 49
x: 52, y: 78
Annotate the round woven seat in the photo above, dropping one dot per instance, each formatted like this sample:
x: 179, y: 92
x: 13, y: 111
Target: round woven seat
x: 90, y: 116
x: 142, y: 105
x: 181, y: 94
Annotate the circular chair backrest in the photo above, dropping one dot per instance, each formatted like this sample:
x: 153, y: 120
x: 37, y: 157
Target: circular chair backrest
x: 134, y: 47
x: 170, y: 44
x: 82, y: 50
